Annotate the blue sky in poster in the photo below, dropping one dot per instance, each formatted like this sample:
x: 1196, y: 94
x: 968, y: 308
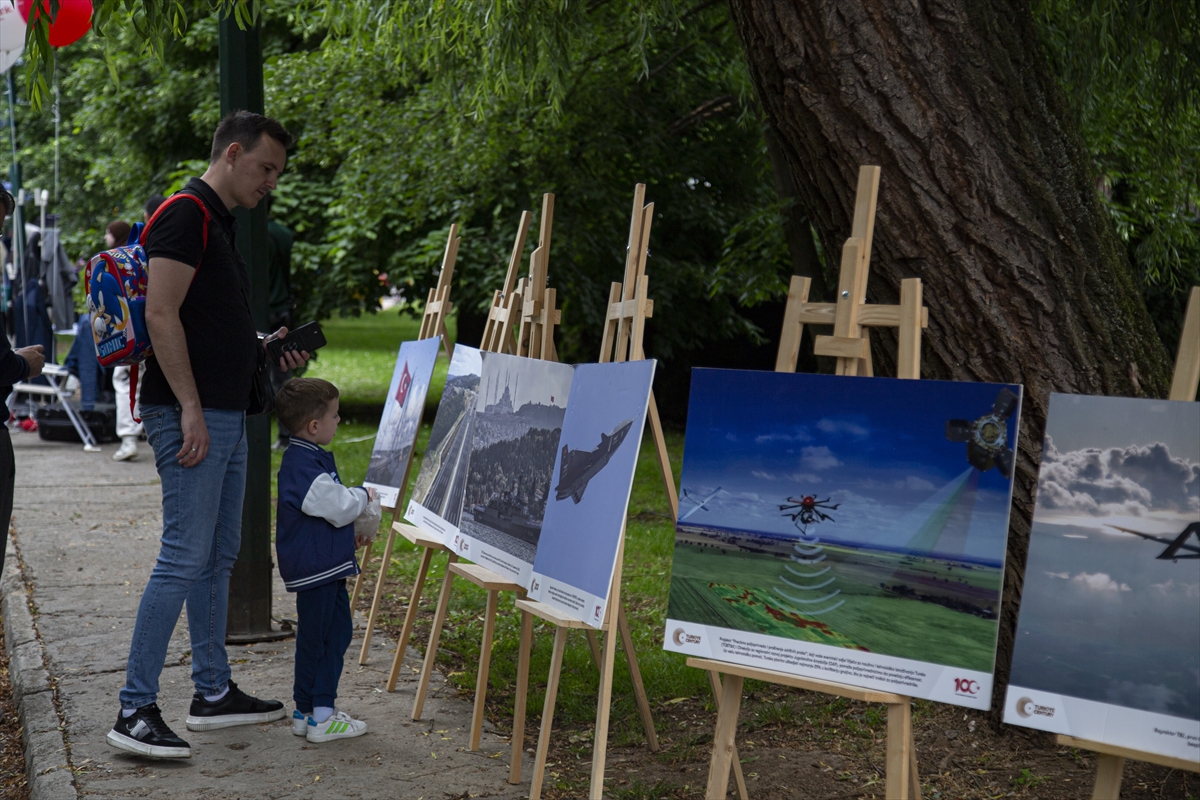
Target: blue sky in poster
x: 578, y: 545
x: 875, y: 446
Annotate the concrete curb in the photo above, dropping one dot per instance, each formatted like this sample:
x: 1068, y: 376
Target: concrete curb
x: 49, y: 774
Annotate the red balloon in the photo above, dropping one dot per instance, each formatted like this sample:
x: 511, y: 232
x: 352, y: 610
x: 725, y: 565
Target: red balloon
x: 68, y: 26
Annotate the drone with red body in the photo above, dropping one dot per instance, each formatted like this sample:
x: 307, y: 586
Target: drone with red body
x: 808, y: 509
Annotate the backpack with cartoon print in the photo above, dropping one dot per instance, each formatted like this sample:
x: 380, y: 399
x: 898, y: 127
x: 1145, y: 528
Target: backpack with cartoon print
x: 116, y: 297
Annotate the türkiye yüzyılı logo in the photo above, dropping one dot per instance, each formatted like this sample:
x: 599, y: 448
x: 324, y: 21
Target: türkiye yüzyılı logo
x: 680, y: 638
x: 1027, y: 708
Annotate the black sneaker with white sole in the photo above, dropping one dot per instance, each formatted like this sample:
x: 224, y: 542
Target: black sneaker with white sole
x: 145, y: 733
x: 235, y: 708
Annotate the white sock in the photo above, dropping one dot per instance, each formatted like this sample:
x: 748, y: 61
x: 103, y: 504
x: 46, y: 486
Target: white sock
x: 321, y: 713
x: 212, y: 698
x: 128, y: 712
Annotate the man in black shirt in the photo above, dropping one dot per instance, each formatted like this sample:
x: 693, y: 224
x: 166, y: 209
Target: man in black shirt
x: 194, y: 398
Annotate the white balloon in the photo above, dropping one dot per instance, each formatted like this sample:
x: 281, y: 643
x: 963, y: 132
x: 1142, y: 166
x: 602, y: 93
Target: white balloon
x: 12, y: 35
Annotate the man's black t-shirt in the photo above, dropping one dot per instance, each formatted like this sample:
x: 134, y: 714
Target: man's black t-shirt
x: 220, y: 333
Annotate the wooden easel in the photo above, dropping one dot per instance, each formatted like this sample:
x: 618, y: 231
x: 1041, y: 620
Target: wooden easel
x: 498, y: 329
x: 1111, y: 759
x: 535, y: 339
x: 629, y: 306
x: 849, y: 343
x: 433, y: 323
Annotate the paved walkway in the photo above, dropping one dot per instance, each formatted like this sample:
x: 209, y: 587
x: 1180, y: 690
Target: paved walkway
x: 86, y: 531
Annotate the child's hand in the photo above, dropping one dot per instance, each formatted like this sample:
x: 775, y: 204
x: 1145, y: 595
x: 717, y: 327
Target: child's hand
x: 363, y: 541
x: 370, y: 494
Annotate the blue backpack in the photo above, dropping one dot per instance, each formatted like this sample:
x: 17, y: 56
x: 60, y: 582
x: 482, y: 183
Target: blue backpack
x: 116, y: 298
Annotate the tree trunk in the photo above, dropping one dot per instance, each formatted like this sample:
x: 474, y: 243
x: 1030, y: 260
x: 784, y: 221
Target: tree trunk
x: 985, y: 196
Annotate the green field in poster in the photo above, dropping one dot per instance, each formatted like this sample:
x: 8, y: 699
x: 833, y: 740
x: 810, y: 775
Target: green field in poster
x: 896, y: 604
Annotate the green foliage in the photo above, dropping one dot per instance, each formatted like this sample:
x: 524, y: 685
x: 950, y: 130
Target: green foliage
x: 1131, y: 73
x: 398, y: 139
x: 414, y: 116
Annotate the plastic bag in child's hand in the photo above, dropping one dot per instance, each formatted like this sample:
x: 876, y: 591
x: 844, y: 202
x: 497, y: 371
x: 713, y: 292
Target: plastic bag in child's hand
x: 367, y: 523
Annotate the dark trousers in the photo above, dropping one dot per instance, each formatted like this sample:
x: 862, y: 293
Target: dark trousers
x: 323, y: 632
x: 8, y: 477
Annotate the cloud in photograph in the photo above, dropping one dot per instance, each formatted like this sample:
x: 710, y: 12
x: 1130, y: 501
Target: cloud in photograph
x: 839, y: 427
x: 1117, y: 481
x: 1098, y: 582
x: 912, y: 483
x: 818, y: 458
x: 797, y: 433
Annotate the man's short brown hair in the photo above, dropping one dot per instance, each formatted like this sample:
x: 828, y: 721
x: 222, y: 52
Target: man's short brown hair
x: 247, y: 129
x: 301, y: 400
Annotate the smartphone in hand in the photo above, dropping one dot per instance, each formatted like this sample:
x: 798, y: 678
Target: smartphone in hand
x: 307, y: 338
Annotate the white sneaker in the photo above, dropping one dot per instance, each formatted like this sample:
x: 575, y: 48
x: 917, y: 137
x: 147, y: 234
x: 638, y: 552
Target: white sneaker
x: 128, y: 451
x: 299, y: 723
x: 340, y: 726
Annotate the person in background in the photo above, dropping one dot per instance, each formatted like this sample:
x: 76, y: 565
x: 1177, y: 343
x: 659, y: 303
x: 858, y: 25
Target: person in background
x: 15, y: 366
x: 279, y: 298
x: 116, y: 234
x: 129, y: 429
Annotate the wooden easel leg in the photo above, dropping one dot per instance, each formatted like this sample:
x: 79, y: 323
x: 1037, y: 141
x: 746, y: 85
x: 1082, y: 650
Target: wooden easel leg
x: 1109, y: 772
x: 914, y: 774
x: 362, y: 572
x: 635, y: 675
x: 518, y: 734
x: 485, y: 663
x: 604, y: 702
x: 714, y: 680
x: 379, y: 584
x: 594, y: 646
x: 664, y: 460
x: 435, y: 636
x: 899, y: 749
x: 543, y: 747
x: 724, y: 749
x: 410, y: 617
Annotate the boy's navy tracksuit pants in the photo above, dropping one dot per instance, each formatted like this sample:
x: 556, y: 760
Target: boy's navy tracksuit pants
x: 323, y: 633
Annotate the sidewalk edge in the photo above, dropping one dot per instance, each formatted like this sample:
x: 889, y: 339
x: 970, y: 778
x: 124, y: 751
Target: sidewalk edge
x: 46, y: 763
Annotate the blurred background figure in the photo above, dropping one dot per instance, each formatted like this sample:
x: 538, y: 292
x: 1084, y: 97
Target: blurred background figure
x: 127, y: 428
x: 279, y: 301
x: 15, y: 366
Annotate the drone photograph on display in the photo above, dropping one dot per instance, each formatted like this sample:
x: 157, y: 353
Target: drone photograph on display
x: 847, y: 512
x: 1110, y: 609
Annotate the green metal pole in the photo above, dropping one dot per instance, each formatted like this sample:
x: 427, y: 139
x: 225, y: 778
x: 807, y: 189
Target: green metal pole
x: 249, y: 617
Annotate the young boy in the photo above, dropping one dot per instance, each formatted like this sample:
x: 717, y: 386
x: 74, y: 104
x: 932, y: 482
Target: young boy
x: 315, y: 540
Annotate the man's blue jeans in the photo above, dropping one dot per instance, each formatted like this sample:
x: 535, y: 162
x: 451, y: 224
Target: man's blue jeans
x: 202, y: 532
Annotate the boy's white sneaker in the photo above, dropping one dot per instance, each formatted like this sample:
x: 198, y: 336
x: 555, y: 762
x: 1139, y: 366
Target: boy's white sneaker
x: 299, y: 723
x: 340, y: 726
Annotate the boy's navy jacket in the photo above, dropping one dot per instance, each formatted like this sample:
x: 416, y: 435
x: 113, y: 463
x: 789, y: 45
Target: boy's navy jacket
x: 314, y: 524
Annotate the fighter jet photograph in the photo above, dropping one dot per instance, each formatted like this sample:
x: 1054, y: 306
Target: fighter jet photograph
x: 580, y: 466
x: 987, y: 436
x: 1180, y: 542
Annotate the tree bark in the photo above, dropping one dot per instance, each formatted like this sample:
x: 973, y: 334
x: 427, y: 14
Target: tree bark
x: 985, y: 195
